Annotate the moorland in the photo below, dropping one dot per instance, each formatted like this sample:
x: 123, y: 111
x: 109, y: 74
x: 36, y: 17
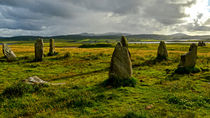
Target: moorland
x: 159, y: 92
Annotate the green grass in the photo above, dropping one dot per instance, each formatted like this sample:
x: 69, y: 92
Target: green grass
x: 83, y: 70
x: 95, y: 45
x: 182, y: 70
x: 120, y: 82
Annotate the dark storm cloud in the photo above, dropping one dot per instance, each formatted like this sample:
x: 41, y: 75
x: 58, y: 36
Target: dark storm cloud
x: 35, y: 14
x: 48, y: 7
x: 115, y: 6
x: 54, y: 17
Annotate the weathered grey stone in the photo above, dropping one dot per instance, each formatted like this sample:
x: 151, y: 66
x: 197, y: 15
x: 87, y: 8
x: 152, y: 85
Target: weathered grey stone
x: 37, y: 80
x: 34, y: 80
x: 52, y: 48
x: 188, y: 60
x: 8, y: 53
x: 39, y: 52
x: 124, y: 41
x: 201, y: 43
x: 121, y: 66
x: 162, y: 52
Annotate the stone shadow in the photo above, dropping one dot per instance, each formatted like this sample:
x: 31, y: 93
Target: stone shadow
x: 151, y: 62
x: 78, y: 75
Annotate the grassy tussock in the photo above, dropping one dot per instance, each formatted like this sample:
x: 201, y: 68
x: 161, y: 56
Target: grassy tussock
x: 19, y: 89
x: 120, y: 82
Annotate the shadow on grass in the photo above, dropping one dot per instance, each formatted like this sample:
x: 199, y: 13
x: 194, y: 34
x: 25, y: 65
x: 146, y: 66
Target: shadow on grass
x: 65, y: 56
x: 205, y: 77
x: 116, y: 82
x: 81, y: 74
x: 52, y: 54
x: 177, y: 75
x: 3, y: 59
x: 136, y: 115
x: 187, y: 70
x: 24, y: 59
x: 19, y: 89
x: 151, y: 62
x: 174, y: 76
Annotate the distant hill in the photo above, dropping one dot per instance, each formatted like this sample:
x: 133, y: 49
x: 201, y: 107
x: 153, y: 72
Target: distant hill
x: 108, y: 36
x: 105, y: 34
x: 179, y: 35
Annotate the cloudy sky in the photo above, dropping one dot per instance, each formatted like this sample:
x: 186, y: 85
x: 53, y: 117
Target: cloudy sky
x: 58, y: 17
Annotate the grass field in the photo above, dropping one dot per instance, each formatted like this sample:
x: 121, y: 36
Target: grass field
x: 158, y: 93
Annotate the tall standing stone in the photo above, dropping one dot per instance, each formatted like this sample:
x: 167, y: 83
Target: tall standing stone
x: 121, y: 66
x: 39, y: 52
x: 162, y: 52
x: 52, y: 48
x: 8, y: 53
x: 188, y: 60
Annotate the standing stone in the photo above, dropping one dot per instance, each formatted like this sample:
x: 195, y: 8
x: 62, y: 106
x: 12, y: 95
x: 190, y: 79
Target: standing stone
x: 162, y: 52
x: 39, y: 52
x: 124, y: 41
x: 204, y: 44
x: 8, y: 53
x: 201, y: 43
x: 52, y: 48
x: 3, y: 46
x: 121, y: 66
x: 188, y: 60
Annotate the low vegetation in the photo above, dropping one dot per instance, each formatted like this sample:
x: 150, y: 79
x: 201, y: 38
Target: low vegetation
x: 95, y: 45
x: 156, y: 91
x: 120, y: 82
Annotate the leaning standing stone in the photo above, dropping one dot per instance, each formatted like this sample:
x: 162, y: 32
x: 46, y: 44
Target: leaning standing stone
x: 8, y: 53
x: 39, y: 52
x: 162, y: 52
x: 121, y: 66
x: 188, y: 61
x: 52, y: 48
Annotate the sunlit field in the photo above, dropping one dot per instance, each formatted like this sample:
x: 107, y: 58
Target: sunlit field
x: 159, y: 91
